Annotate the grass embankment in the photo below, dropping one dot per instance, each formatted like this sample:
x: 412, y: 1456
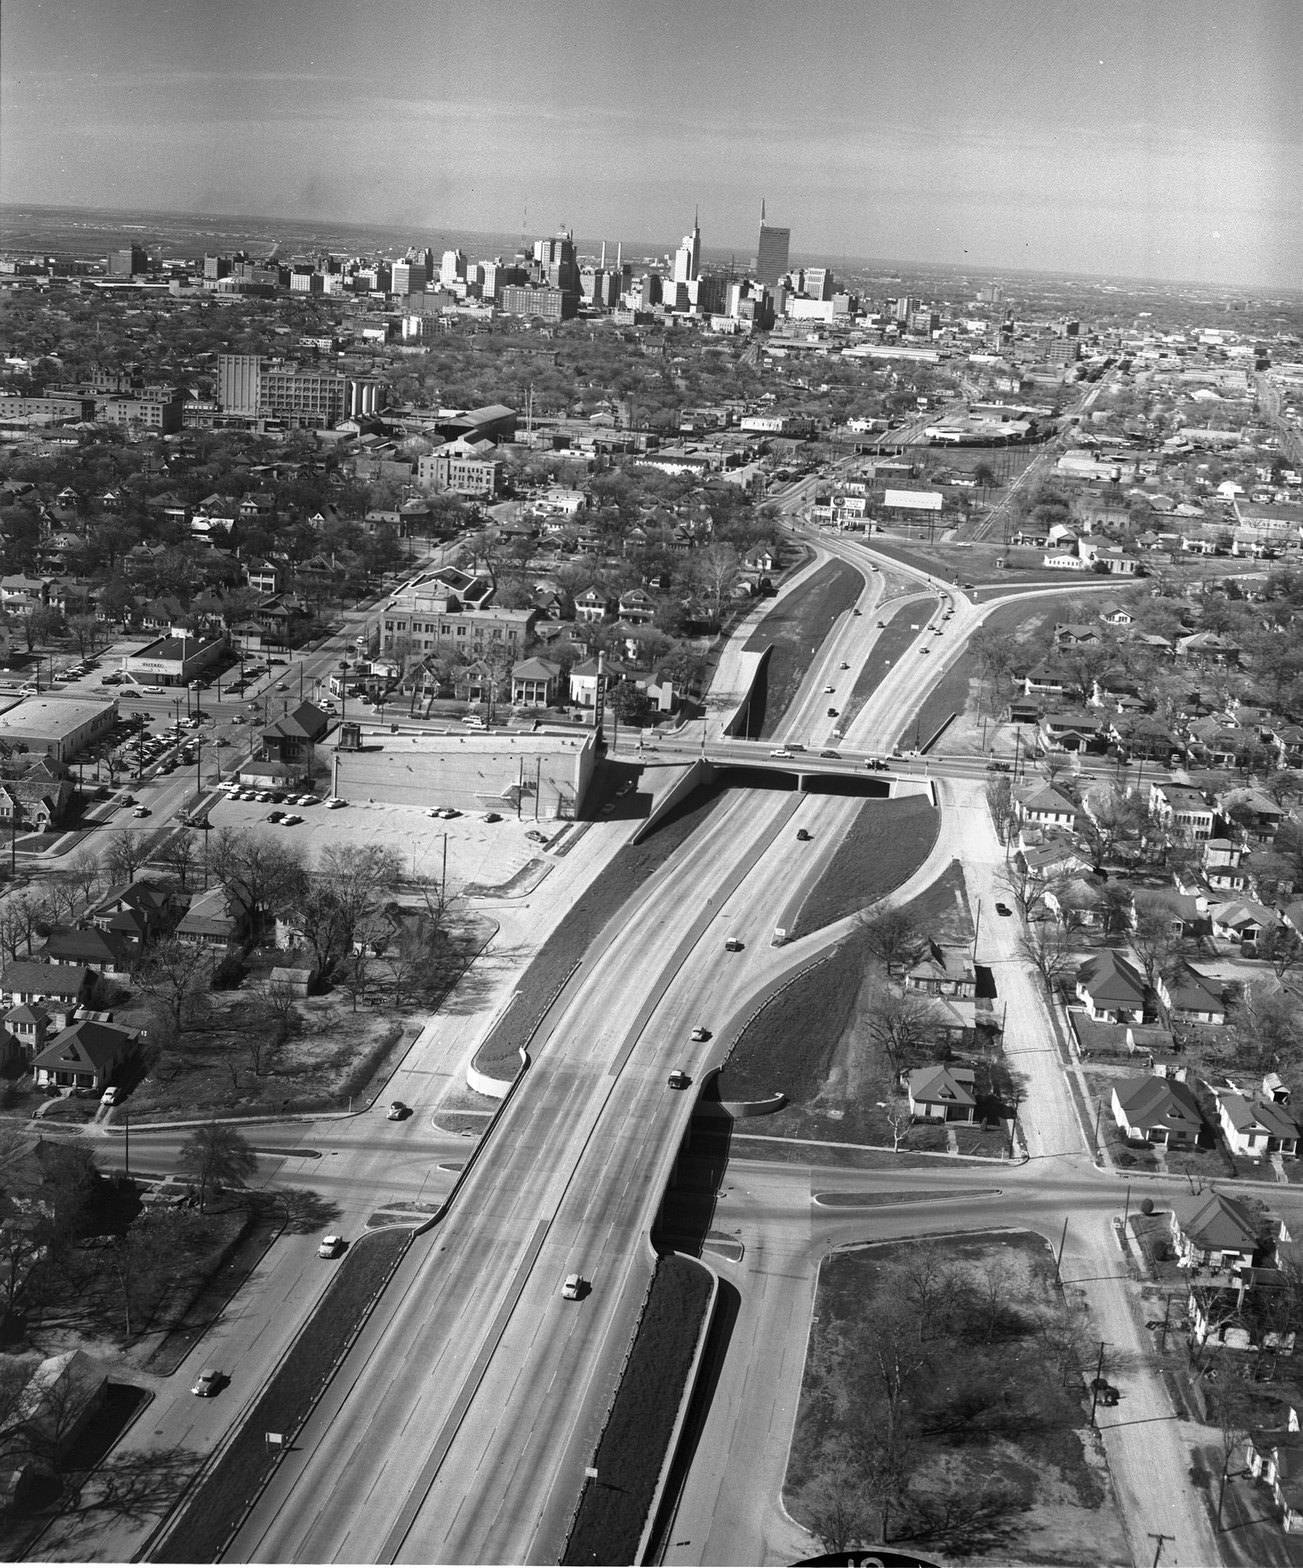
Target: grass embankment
x: 613, y: 1510
x: 885, y: 845
x: 219, y: 1501
x: 499, y: 1056
x: 941, y: 1406
x: 795, y: 627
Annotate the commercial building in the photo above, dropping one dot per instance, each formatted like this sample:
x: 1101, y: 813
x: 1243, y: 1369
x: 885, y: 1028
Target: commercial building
x: 45, y: 410
x: 462, y: 471
x: 61, y: 727
x: 771, y: 252
x: 250, y: 388
x: 127, y: 262
x: 538, y: 776
x: 551, y: 304
x: 174, y: 660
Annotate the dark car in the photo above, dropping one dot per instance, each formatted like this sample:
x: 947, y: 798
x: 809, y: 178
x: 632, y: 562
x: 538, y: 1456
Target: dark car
x: 803, y: 834
x: 733, y: 944
x: 398, y: 1111
x: 829, y: 752
x: 1003, y: 909
x: 678, y: 1079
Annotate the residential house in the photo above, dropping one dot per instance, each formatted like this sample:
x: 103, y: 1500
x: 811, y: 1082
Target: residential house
x: 1070, y: 731
x: 942, y: 1094
x: 1112, y: 989
x: 1157, y: 1110
x: 291, y: 740
x: 593, y: 605
x: 137, y: 912
x: 1182, y: 811
x: 1190, y: 998
x: 1257, y: 1127
x: 585, y: 677
x: 87, y: 947
x: 637, y: 607
x: 946, y: 969
x: 85, y: 1055
x: 1213, y: 1231
x: 1077, y: 903
x: 1241, y: 920
x: 213, y: 920
x: 1044, y: 806
x: 535, y: 683
x: 58, y: 985
x: 27, y: 1026
x: 1275, y: 1457
x: 1208, y: 649
x: 1220, y: 863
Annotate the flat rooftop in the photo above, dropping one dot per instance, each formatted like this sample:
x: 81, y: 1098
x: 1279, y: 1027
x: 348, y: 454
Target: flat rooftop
x: 53, y: 716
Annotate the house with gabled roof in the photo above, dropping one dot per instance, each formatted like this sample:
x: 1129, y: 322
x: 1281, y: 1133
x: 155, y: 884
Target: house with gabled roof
x: 1190, y: 998
x: 1214, y: 1231
x: 535, y: 683
x: 1257, y: 1127
x: 1241, y: 920
x: 945, y: 969
x: 1112, y: 989
x: 1157, y: 1110
x: 26, y: 980
x: 1274, y: 1456
x: 85, y: 1055
x: 1044, y: 806
x: 87, y: 947
x: 942, y: 1094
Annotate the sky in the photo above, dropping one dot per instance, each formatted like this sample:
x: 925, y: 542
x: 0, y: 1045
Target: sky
x: 1124, y: 138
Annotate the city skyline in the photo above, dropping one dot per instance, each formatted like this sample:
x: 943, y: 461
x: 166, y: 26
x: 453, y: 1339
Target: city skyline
x: 1162, y: 141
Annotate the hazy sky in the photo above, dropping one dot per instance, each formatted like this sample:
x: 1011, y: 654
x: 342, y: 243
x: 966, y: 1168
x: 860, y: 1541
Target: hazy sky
x: 1128, y: 137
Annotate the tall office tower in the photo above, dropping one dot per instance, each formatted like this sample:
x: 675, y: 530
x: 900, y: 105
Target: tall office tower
x: 687, y: 259
x: 126, y: 263
x: 817, y: 283
x: 239, y: 383
x: 556, y: 263
x: 771, y: 252
x: 407, y: 277
x: 452, y: 269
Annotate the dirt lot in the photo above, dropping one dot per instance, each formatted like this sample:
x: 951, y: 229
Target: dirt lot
x: 1045, y: 1486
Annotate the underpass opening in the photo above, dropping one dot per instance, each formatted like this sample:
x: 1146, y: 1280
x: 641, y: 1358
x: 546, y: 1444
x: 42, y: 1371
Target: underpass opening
x: 866, y: 787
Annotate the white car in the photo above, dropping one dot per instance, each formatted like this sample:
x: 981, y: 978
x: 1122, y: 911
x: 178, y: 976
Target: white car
x: 331, y: 1247
x: 334, y: 803
x: 153, y: 691
x: 780, y: 751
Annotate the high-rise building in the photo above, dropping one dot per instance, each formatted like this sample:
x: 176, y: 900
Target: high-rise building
x: 407, y: 277
x: 772, y: 252
x: 238, y: 383
x: 127, y: 262
x: 687, y: 259
x: 555, y: 262
x: 452, y: 269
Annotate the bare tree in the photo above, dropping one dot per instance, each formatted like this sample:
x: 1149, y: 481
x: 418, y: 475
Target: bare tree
x: 1049, y: 949
x: 999, y: 801
x: 180, y: 855
x: 342, y: 896
x: 260, y: 874
x: 900, y: 1024
x: 21, y: 917
x: 216, y: 1156
x: 85, y: 873
x: 893, y: 935
x: 127, y: 852
x: 175, y: 975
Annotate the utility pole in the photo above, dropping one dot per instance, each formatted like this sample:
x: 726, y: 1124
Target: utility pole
x: 1094, y: 1388
x: 1155, y: 1535
x: 1058, y: 1261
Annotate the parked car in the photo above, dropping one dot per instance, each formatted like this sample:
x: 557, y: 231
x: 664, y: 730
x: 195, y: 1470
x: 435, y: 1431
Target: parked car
x: 1003, y: 909
x: 334, y: 803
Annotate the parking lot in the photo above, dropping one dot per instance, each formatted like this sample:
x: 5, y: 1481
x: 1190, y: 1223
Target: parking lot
x: 485, y: 853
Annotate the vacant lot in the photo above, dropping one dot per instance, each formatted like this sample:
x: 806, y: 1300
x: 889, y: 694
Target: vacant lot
x: 943, y: 1404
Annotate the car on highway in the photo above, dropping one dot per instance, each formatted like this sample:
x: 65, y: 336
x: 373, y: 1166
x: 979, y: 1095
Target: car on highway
x: 331, y: 1247
x: 1003, y: 909
x: 678, y: 1079
x: 782, y: 751
x: 857, y: 612
x: 881, y: 625
x: 282, y: 686
x: 829, y: 690
x: 803, y: 835
x: 733, y: 944
x: 153, y: 691
x: 209, y: 1382
x: 998, y: 767
x: 574, y: 1287
x: 829, y: 752
x: 397, y: 1111
x: 843, y: 665
x: 834, y: 713
x: 923, y: 649
x: 701, y: 1032
x: 141, y: 811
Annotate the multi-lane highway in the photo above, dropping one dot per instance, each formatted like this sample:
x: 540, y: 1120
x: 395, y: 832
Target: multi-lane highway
x: 460, y: 1426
